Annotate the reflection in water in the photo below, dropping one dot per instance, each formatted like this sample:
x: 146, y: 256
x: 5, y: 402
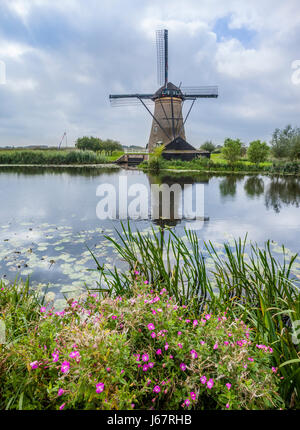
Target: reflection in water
x: 188, y: 191
x: 283, y: 191
x: 228, y: 185
x: 254, y: 186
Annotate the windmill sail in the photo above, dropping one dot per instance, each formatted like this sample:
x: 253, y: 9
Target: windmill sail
x: 162, y: 56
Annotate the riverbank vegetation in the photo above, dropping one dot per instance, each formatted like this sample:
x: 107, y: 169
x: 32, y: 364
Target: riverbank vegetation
x: 177, y: 330
x: 54, y: 157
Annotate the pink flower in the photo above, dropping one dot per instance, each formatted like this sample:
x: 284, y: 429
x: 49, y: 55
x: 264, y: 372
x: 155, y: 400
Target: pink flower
x: 179, y: 333
x: 195, y: 322
x: 145, y: 357
x: 151, y: 364
x: 250, y: 359
x: 207, y: 317
x: 136, y: 272
x: 99, y: 387
x: 228, y: 386
x: 151, y: 327
x: 166, y: 346
x: 182, y: 366
x: 122, y: 371
x: 179, y: 345
x: 194, y: 354
x: 158, y: 352
x: 193, y: 395
x: 153, y: 335
x: 62, y: 406
x: 274, y: 369
x: 210, y: 384
x: 187, y: 402
x: 43, y: 309
x: 74, y: 354
x: 216, y: 346
x: 226, y: 342
x: 227, y: 405
x: 34, y: 365
x: 203, y: 380
x: 156, y: 389
x: 145, y: 367
x: 65, y: 366
x: 60, y: 392
x: 146, y: 282
x: 114, y: 317
x: 55, y: 356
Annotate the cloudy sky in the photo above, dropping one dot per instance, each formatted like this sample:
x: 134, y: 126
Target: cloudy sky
x: 64, y: 57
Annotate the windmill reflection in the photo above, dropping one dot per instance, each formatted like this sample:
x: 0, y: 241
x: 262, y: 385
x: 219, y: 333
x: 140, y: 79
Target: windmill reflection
x: 173, y: 207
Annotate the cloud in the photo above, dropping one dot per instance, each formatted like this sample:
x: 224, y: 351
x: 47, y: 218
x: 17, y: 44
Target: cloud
x: 63, y: 59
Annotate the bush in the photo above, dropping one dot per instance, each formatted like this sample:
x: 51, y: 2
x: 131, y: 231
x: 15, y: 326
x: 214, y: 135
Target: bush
x: 232, y: 150
x: 257, y: 152
x: 144, y: 352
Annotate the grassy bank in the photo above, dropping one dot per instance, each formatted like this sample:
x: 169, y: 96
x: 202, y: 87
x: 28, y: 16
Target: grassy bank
x: 219, y: 165
x: 169, y: 333
x: 54, y: 157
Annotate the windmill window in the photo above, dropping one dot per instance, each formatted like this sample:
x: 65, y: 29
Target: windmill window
x: 155, y: 128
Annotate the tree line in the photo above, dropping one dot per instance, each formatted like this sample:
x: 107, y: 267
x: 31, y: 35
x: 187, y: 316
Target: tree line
x: 98, y: 145
x: 285, y: 144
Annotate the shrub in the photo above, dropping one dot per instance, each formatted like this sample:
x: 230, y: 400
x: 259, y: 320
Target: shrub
x: 232, y: 150
x: 144, y: 352
x: 257, y: 152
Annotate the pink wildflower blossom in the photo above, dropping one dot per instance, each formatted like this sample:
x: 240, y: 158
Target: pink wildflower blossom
x: 151, y: 327
x: 210, y: 384
x: 158, y: 352
x: 193, y: 395
x: 62, y: 406
x: 99, y: 387
x: 43, y: 309
x: 203, y: 380
x: 55, y: 356
x: 156, y: 389
x: 153, y: 335
x: 194, y: 354
x: 216, y: 346
x: 65, y: 366
x: 60, y: 392
x: 228, y: 386
x: 34, y: 365
x: 187, y: 402
x: 145, y: 357
x: 182, y: 366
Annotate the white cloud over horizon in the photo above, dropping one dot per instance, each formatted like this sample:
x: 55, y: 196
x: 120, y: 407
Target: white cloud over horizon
x: 63, y: 59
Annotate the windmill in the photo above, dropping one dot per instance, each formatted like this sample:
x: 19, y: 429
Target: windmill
x: 168, y: 122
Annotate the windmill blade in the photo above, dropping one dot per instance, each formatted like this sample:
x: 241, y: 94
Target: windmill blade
x: 129, y: 99
x: 129, y: 102
x: 200, y: 92
x: 162, y: 56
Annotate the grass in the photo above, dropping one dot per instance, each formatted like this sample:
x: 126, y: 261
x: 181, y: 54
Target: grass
x: 53, y: 157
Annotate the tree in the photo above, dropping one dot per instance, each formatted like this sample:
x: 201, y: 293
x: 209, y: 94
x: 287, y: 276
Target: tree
x: 282, y: 141
x: 258, y: 151
x: 208, y: 146
x: 110, y: 145
x: 295, y: 148
x: 232, y: 150
x: 88, y: 143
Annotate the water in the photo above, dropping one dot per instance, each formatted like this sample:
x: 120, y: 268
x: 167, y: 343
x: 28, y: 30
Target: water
x: 48, y: 219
